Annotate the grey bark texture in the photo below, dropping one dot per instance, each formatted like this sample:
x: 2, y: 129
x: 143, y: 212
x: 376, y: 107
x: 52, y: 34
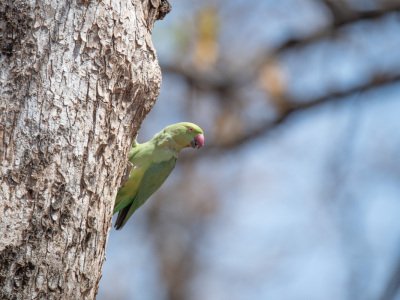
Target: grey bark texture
x: 77, y: 79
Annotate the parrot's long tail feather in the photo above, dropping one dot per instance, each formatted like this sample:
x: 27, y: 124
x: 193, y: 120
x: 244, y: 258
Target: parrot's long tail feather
x: 121, y: 217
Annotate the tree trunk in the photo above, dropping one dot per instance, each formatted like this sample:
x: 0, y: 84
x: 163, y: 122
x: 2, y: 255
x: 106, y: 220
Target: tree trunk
x: 76, y: 80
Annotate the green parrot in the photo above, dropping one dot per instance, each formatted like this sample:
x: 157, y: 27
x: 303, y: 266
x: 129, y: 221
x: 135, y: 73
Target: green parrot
x: 152, y: 162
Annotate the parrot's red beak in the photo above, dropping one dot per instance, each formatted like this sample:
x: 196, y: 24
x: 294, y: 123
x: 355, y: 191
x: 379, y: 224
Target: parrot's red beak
x: 198, y: 141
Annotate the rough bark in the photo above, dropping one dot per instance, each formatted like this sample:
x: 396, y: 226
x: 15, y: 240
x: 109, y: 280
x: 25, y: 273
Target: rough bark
x: 76, y: 80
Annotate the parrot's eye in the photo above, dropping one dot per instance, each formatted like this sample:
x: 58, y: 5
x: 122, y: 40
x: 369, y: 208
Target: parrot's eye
x: 190, y: 129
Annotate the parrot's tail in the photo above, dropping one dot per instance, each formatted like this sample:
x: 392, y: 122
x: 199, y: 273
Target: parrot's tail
x: 121, y: 217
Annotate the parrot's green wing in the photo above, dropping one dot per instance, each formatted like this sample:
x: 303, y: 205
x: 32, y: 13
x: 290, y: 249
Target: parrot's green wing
x: 152, y: 179
x: 137, y: 161
x: 129, y: 188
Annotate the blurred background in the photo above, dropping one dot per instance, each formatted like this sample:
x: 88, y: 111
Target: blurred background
x: 297, y: 192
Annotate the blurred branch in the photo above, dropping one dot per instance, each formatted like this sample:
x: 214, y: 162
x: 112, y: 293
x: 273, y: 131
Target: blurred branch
x: 341, y: 18
x: 220, y: 82
x: 228, y: 84
x: 292, y: 107
x: 392, y: 287
x: 342, y: 14
x: 205, y: 81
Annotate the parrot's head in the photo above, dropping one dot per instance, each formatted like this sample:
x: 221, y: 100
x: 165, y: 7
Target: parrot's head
x: 186, y: 134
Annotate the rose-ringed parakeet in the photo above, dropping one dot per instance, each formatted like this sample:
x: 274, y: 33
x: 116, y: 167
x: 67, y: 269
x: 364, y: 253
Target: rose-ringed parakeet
x: 152, y: 162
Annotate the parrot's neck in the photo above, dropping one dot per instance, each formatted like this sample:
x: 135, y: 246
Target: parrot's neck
x: 166, y: 141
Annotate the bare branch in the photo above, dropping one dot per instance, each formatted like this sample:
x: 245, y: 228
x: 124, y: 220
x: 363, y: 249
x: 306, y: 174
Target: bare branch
x: 392, y: 287
x: 338, y: 24
x: 295, y: 107
x: 220, y: 82
x: 205, y: 81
